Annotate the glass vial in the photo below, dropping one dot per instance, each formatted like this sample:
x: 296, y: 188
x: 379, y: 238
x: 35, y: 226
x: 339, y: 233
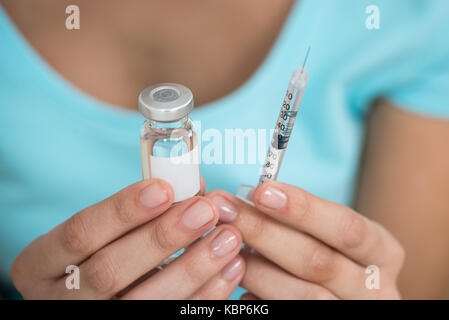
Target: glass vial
x: 168, y: 141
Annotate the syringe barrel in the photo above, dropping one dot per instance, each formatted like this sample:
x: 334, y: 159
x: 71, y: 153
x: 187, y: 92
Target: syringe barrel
x: 284, y: 125
x: 289, y: 109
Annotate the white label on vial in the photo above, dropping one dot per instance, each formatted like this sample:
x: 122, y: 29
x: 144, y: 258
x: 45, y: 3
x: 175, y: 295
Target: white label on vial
x: 182, y: 173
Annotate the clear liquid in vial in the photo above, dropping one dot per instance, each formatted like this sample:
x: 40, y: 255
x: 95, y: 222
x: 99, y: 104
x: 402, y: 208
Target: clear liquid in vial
x: 165, y: 140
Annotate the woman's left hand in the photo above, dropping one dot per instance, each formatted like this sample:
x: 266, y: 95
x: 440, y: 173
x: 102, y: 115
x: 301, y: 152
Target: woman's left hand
x: 310, y: 248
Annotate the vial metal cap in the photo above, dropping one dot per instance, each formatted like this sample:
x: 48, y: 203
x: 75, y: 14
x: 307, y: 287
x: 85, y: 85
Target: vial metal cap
x: 166, y: 102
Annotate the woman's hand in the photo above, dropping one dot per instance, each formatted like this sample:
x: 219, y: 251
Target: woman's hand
x: 309, y: 248
x: 117, y: 243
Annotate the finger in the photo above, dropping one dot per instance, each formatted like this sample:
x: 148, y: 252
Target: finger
x: 248, y: 296
x: 203, y: 187
x: 119, y: 264
x: 184, y: 276
x: 338, y: 226
x: 92, y: 228
x: 221, y: 286
x: 268, y: 281
x: 302, y: 255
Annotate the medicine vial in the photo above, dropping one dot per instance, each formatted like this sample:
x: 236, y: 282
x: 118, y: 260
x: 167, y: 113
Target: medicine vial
x: 168, y: 141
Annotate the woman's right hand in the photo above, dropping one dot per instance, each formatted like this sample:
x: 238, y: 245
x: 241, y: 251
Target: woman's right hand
x: 118, y: 242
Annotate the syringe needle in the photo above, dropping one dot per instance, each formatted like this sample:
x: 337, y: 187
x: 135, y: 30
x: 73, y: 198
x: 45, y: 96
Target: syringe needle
x: 305, y: 59
x: 282, y: 131
x: 307, y: 56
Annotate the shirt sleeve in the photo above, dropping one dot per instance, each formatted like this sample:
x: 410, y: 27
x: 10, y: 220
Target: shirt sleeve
x: 426, y: 89
x: 427, y: 94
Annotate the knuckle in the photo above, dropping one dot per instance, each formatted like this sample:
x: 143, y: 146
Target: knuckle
x: 194, y: 274
x: 75, y: 235
x: 123, y: 211
x: 303, y: 205
x: 354, y: 230
x: 100, y: 273
x: 159, y: 237
x: 256, y: 228
x: 322, y: 265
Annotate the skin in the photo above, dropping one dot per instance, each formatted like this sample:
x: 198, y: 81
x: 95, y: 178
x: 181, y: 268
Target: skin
x: 139, y: 45
x: 310, y: 248
x: 404, y: 183
x: 98, y: 240
x: 404, y: 175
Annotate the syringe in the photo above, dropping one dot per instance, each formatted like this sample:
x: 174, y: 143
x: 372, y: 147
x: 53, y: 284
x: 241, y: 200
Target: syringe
x: 282, y: 130
x: 284, y: 125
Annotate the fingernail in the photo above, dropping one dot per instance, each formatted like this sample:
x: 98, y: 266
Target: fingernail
x: 197, y: 215
x: 224, y: 243
x: 154, y: 195
x: 228, y: 212
x: 233, y: 269
x: 273, y: 198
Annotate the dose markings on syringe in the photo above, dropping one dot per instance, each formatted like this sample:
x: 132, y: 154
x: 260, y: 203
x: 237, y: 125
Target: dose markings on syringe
x: 285, y: 120
x: 280, y: 138
x: 270, y: 167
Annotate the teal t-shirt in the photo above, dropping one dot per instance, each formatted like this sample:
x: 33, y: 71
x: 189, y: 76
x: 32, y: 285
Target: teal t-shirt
x: 62, y: 150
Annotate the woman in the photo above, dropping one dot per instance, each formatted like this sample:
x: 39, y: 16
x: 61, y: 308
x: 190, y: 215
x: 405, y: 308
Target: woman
x: 368, y: 154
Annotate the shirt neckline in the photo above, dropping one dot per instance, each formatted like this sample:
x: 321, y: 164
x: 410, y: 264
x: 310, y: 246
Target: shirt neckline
x: 110, y: 115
